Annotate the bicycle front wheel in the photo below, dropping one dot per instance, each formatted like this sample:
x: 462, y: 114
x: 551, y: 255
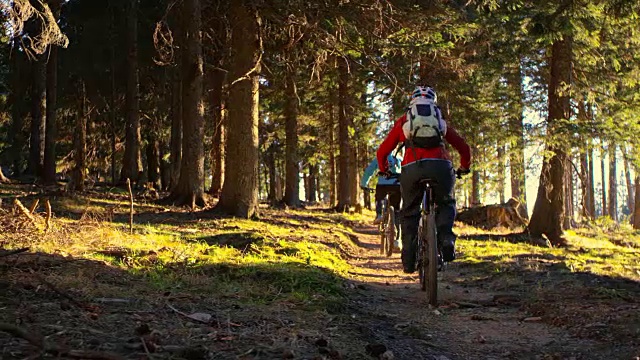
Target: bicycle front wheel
x: 390, y: 231
x: 432, y: 259
x: 422, y: 254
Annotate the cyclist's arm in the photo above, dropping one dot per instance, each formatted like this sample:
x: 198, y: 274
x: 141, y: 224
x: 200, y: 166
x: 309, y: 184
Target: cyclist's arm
x: 460, y: 145
x: 368, y: 173
x: 389, y: 144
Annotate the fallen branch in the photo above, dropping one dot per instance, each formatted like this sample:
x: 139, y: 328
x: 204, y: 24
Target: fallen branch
x: 40, y: 343
x: 24, y: 211
x: 190, y: 317
x: 34, y: 206
x: 13, y: 252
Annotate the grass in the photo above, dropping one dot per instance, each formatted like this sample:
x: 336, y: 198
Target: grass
x: 293, y: 257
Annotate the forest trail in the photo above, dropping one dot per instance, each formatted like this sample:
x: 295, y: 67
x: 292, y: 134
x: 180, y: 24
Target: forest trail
x: 470, y: 322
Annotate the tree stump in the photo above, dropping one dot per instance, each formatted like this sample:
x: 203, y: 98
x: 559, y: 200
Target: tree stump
x: 509, y: 215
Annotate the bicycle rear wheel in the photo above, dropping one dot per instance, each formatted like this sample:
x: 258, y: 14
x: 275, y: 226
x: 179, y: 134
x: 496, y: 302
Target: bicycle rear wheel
x: 432, y: 259
x: 422, y: 254
x: 383, y: 232
x: 390, y: 231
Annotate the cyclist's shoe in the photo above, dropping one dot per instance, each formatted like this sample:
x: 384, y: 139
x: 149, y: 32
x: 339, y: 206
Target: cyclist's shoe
x: 408, y: 263
x: 449, y: 249
x: 378, y: 220
x: 396, y: 247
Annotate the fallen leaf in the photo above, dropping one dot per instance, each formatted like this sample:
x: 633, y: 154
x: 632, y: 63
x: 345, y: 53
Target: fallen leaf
x: 533, y: 319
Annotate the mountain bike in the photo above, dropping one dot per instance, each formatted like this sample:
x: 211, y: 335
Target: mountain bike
x: 387, y: 226
x: 429, y: 253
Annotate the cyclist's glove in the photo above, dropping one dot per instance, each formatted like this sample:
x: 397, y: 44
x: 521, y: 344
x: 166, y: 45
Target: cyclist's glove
x: 386, y: 174
x: 462, y: 171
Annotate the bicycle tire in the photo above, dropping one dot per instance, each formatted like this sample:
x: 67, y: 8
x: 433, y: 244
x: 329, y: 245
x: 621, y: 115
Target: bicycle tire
x: 390, y: 231
x: 383, y: 232
x: 431, y: 269
x: 422, y: 255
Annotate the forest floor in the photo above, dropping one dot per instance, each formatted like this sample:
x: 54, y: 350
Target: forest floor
x: 303, y: 284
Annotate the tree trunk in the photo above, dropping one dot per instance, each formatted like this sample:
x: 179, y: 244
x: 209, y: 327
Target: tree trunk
x: 49, y: 166
x: 568, y: 195
x: 131, y: 163
x: 345, y: 197
x: 292, y: 172
x: 548, y: 211
x: 270, y: 158
x: 18, y: 94
x: 80, y: 142
x: 113, y: 111
x: 475, y: 188
x: 584, y: 185
x: 629, y: 183
x: 239, y: 197
x: 604, y: 207
x: 312, y: 196
x: 217, y: 122
x: 153, y: 162
x: 49, y: 162
x: 38, y: 117
x: 501, y: 174
x: 613, y: 183
x: 190, y: 187
x: 516, y: 153
x: 332, y: 156
x: 591, y: 191
x: 636, y: 210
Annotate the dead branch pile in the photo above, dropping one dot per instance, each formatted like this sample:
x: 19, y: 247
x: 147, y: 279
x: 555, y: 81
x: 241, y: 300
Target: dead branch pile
x: 509, y: 215
x: 19, y: 11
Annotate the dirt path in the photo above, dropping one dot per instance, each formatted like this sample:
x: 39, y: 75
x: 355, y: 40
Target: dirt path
x: 471, y: 322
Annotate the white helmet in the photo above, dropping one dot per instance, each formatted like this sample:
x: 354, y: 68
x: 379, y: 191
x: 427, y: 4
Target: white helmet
x: 424, y: 92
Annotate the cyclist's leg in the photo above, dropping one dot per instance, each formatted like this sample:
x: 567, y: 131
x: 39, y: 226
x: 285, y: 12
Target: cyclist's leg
x: 446, y: 210
x: 410, y: 213
x: 378, y: 199
x: 395, y: 196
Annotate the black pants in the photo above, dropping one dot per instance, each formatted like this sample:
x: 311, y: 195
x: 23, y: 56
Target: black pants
x: 442, y: 172
x: 394, y: 200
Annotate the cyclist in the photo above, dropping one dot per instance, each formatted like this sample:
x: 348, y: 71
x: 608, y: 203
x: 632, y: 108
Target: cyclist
x: 423, y: 131
x: 385, y: 186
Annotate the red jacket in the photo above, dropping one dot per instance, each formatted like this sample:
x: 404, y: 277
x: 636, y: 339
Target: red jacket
x: 397, y: 136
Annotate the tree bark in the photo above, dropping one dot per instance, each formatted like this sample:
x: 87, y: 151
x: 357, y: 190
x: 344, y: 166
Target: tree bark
x: 312, y: 196
x: 38, y: 117
x: 591, y: 191
x: 604, y: 206
x: 153, y: 162
x: 613, y: 183
x: 131, y: 162
x: 629, y: 183
x: 475, y: 188
x: 292, y: 167
x: 49, y: 166
x: 240, y: 196
x: 584, y: 184
x: 549, y: 208
x: 516, y: 153
x: 568, y: 195
x: 18, y: 94
x: 332, y: 156
x: 270, y: 158
x: 501, y: 173
x: 80, y: 142
x: 217, y: 122
x: 49, y: 162
x: 636, y: 210
x: 190, y: 187
x: 345, y: 197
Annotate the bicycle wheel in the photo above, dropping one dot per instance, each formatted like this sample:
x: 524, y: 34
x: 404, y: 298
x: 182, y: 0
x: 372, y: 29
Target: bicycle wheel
x: 390, y: 231
x: 432, y: 259
x: 422, y: 255
x: 383, y: 231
